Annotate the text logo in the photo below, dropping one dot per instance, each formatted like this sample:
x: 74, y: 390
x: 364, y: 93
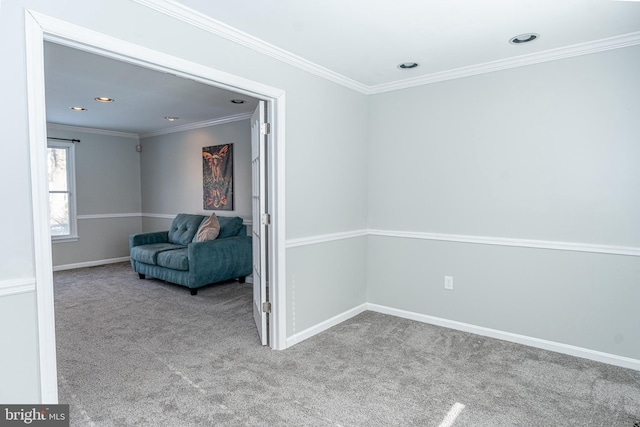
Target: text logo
x: 34, y: 415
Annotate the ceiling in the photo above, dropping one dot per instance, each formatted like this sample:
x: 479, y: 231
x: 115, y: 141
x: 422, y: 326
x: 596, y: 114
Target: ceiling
x: 366, y: 40
x: 359, y: 42
x: 142, y: 97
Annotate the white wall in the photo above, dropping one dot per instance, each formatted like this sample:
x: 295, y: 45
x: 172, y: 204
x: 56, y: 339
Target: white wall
x: 546, y: 152
x: 107, y: 184
x: 172, y: 171
x: 325, y: 141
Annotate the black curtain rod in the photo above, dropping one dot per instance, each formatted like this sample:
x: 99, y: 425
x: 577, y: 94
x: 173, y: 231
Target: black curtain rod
x: 64, y: 139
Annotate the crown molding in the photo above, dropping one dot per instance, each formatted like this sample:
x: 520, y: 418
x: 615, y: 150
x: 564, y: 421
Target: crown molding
x: 191, y: 126
x: 610, y: 43
x: 200, y: 20
x: 199, y: 125
x: 69, y: 128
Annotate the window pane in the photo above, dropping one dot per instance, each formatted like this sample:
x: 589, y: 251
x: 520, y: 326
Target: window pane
x: 57, y: 169
x: 59, y: 208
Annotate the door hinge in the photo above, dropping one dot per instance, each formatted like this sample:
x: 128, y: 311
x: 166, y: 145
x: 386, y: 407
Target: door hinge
x: 266, y: 219
x: 266, y: 307
x: 265, y: 128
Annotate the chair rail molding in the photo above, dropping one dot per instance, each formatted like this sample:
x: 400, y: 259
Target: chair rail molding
x: 507, y: 241
x: 459, y: 238
x: 324, y: 238
x: 17, y: 286
x: 110, y: 215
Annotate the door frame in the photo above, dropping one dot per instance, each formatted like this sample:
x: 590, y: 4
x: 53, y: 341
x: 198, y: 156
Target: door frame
x: 40, y: 28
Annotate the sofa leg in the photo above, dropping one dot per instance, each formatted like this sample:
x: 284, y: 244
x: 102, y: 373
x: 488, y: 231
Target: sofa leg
x: 242, y: 279
x: 194, y: 291
x: 140, y: 275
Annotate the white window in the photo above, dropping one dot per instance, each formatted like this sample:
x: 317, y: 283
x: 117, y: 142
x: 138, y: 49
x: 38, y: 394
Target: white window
x: 62, y: 191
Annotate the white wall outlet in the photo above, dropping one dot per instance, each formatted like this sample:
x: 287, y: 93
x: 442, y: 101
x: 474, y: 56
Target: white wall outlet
x: 448, y: 282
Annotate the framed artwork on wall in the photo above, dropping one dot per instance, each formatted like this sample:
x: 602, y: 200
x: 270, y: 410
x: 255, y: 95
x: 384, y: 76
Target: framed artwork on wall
x: 217, y: 177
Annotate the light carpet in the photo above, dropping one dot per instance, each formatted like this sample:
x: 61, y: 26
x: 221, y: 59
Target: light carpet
x: 146, y: 353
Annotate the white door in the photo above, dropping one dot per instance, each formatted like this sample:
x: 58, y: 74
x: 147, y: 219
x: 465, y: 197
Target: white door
x: 260, y: 220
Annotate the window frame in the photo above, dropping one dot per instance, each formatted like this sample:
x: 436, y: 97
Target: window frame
x: 71, y: 191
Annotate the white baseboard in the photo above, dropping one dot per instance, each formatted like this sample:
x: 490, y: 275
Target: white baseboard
x: 323, y: 326
x: 90, y: 263
x: 585, y: 353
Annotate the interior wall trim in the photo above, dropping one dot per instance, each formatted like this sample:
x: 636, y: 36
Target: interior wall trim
x: 199, y: 125
x: 595, y: 46
x: 323, y: 326
x: 182, y: 128
x: 156, y: 215
x: 90, y: 263
x: 69, y: 128
x: 172, y: 216
x: 112, y: 215
x: 200, y: 20
x: 17, y: 286
x: 483, y: 240
x: 585, y: 353
x: 324, y: 238
x: 504, y: 241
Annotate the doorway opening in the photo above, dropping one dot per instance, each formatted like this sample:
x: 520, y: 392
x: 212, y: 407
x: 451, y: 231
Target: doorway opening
x: 42, y: 28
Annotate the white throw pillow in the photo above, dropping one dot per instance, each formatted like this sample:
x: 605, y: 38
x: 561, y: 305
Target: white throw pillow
x: 209, y: 229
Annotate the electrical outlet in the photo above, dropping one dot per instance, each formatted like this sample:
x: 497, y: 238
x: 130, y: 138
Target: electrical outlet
x: 448, y: 282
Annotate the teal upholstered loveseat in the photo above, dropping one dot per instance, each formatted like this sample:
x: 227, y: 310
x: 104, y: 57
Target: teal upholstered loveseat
x: 175, y: 256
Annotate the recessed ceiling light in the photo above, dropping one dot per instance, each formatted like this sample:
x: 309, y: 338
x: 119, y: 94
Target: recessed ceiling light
x: 524, y: 38
x: 408, y: 65
x: 78, y: 108
x: 238, y: 101
x: 172, y: 118
x: 104, y: 99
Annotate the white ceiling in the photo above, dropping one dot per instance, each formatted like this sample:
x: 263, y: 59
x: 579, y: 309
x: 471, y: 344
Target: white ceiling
x: 366, y: 40
x: 356, y: 42
x: 143, y: 97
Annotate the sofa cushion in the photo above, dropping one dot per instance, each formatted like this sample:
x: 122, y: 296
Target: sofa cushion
x: 148, y: 254
x: 177, y: 259
x: 229, y: 226
x: 183, y: 228
x: 209, y: 229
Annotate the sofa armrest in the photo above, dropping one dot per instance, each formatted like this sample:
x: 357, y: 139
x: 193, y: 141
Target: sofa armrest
x: 148, y: 238
x: 220, y: 259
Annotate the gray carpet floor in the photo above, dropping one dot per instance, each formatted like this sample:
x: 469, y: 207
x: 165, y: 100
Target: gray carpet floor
x: 145, y: 353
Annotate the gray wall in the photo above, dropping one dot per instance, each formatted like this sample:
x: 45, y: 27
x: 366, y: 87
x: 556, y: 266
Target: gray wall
x: 547, y: 152
x: 542, y: 152
x: 171, y: 168
x: 325, y: 174
x: 19, y: 355
x: 107, y: 183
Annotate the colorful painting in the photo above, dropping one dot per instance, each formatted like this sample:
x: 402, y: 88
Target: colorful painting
x: 217, y: 177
